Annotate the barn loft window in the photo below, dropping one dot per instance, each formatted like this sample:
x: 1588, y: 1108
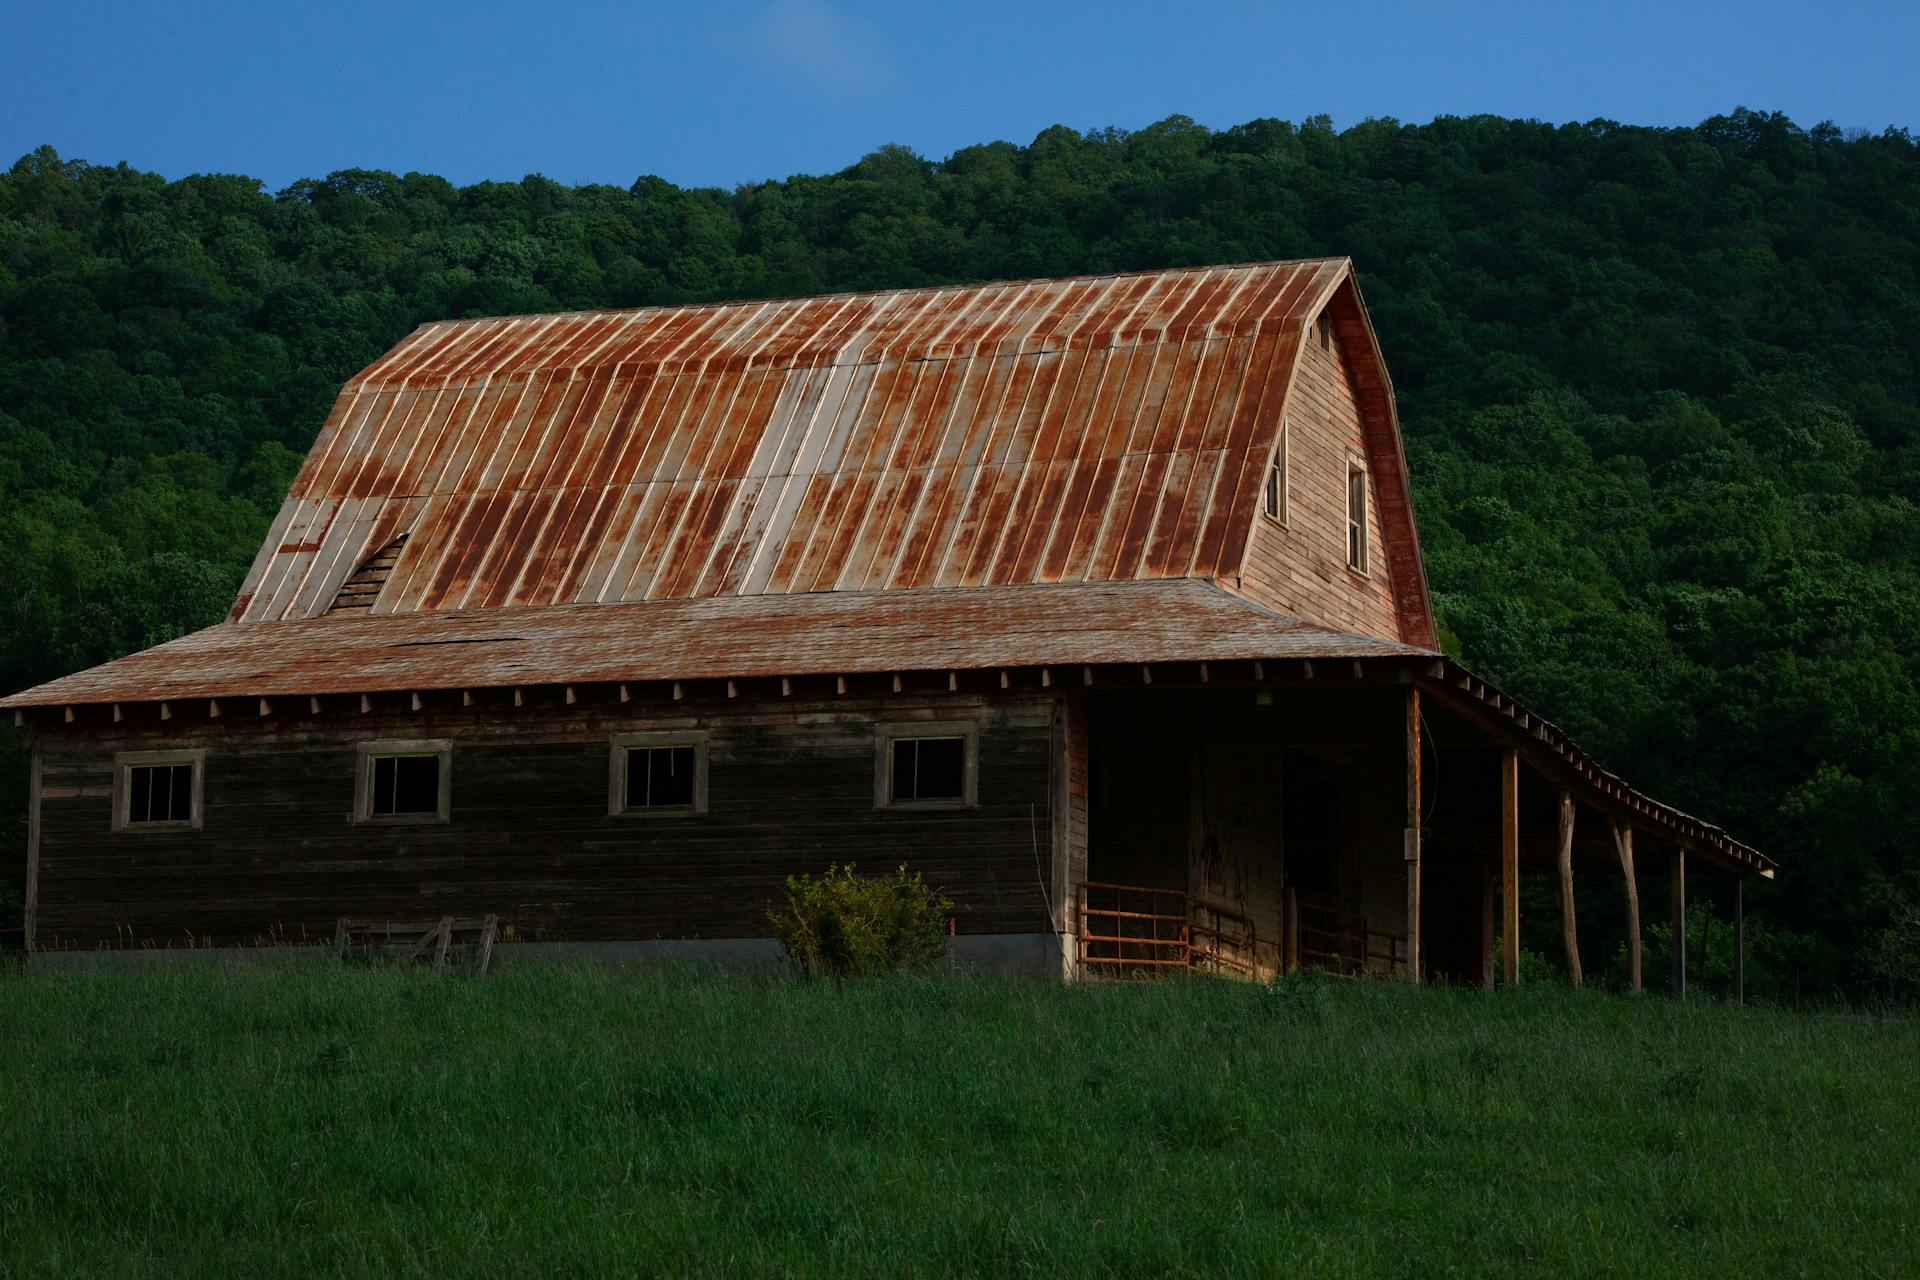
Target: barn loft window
x: 404, y: 781
x: 1324, y: 328
x: 1274, y: 499
x: 157, y: 790
x: 925, y: 766
x: 1356, y: 517
x: 658, y: 773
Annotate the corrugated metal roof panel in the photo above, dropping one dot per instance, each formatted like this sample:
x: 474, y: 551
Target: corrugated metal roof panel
x: 1091, y: 429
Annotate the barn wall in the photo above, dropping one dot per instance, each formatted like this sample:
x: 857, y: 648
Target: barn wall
x: 791, y: 788
x: 1300, y: 568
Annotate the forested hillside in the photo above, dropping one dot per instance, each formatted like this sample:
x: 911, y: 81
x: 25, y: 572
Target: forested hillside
x: 1659, y: 389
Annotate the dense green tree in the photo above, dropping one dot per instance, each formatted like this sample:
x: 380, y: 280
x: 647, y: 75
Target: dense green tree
x: 1659, y: 388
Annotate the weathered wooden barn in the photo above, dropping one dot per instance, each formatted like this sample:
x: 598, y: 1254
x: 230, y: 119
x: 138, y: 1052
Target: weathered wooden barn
x: 1098, y: 600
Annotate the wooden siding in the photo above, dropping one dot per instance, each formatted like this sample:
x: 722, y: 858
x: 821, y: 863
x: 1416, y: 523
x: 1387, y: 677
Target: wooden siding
x: 790, y: 790
x: 1301, y: 568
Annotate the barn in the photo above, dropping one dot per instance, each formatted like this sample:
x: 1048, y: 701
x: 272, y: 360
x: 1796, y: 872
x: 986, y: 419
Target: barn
x: 1099, y: 601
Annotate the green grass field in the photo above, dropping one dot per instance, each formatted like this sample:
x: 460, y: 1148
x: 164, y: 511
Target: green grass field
x: 314, y: 1121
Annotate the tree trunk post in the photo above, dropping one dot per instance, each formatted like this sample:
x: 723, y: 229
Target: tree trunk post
x: 1739, y: 938
x: 1623, y: 845
x: 1677, y: 903
x: 1510, y: 865
x: 1569, y: 935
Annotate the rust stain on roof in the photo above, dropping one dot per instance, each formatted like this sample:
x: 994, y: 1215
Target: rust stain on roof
x: 1105, y: 428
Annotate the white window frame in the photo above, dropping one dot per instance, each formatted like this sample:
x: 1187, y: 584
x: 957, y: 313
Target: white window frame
x: 368, y: 752
x: 617, y: 760
x: 1277, y: 466
x: 1361, y: 566
x: 885, y: 735
x: 123, y: 764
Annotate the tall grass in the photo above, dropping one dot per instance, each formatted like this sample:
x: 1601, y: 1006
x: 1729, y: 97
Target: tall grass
x: 588, y: 1121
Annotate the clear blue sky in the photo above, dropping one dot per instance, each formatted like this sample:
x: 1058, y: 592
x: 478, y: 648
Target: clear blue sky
x: 724, y: 93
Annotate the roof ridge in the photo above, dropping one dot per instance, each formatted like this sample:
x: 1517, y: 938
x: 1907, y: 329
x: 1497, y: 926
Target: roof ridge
x: 761, y: 300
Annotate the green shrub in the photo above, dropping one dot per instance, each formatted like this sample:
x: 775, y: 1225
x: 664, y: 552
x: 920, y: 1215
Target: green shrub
x: 842, y: 925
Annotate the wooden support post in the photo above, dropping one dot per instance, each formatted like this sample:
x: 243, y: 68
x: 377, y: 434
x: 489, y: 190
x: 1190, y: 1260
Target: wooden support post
x: 1677, y: 905
x: 1485, y: 864
x: 1290, y: 927
x: 1569, y: 936
x: 1510, y: 865
x: 30, y: 909
x: 1411, y: 851
x: 1623, y: 845
x: 1739, y: 937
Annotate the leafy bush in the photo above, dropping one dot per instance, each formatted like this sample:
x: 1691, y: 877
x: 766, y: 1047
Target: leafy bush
x: 843, y: 925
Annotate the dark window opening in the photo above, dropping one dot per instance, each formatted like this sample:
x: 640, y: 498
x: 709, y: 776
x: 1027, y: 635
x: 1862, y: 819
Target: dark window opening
x: 159, y: 793
x: 660, y: 777
x: 405, y: 785
x: 1357, y: 519
x: 1325, y: 326
x: 1276, y: 491
x: 929, y: 769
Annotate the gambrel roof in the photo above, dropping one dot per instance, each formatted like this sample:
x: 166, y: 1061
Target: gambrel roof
x: 1108, y: 428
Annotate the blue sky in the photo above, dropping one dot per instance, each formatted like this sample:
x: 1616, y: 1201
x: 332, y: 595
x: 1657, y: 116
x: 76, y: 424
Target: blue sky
x: 724, y: 93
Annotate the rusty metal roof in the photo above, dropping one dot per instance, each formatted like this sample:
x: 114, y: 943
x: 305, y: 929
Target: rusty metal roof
x: 711, y: 638
x: 1091, y: 429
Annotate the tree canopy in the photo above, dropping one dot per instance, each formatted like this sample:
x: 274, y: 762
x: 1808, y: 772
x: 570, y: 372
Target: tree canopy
x: 1659, y: 390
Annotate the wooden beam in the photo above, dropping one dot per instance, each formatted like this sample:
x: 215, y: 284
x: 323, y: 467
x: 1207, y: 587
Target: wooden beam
x: 1569, y: 935
x: 570, y: 696
x: 519, y: 696
x: 19, y: 719
x: 414, y: 701
x: 679, y: 693
x: 1046, y: 677
x: 266, y: 707
x: 213, y: 709
x: 839, y: 685
x: 1146, y: 674
x: 1203, y: 673
x: 1086, y: 675
x: 1510, y: 865
x: 1623, y: 845
x: 1411, y: 851
x: 786, y: 687
x: 1677, y: 905
x: 733, y: 690
x: 313, y: 705
x: 1259, y: 669
x: 68, y: 713
x: 366, y: 703
x: 119, y: 715
x: 1005, y: 680
x: 166, y: 711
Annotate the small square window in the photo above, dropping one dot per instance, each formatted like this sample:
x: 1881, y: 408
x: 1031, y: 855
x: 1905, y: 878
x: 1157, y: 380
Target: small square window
x: 157, y: 790
x: 404, y: 781
x: 658, y: 773
x: 1357, y: 518
x: 405, y: 785
x: 925, y: 765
